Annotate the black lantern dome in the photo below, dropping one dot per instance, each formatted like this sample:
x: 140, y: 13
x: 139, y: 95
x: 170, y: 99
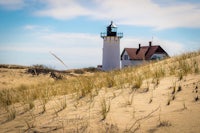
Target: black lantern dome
x: 112, y: 31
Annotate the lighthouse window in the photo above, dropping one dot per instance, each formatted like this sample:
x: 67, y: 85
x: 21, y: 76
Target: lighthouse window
x: 125, y: 57
x: 114, y: 29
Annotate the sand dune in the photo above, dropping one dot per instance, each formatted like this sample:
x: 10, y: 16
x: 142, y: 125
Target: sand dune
x: 172, y: 106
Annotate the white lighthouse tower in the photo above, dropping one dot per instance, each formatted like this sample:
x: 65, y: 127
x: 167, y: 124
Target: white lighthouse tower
x: 111, y: 48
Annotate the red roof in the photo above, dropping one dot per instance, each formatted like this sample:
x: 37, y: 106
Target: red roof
x: 144, y: 52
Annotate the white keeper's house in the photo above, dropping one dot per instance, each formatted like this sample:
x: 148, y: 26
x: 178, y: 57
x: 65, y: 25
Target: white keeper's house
x: 136, y: 56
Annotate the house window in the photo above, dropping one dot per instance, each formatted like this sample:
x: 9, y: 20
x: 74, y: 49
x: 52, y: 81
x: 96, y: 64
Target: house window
x: 125, y: 57
x: 154, y: 57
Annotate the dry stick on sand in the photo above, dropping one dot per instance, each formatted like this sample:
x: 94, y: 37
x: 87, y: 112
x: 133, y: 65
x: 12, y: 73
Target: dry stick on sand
x: 144, y: 117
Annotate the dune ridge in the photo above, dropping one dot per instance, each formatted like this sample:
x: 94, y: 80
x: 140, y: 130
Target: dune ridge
x: 161, y: 96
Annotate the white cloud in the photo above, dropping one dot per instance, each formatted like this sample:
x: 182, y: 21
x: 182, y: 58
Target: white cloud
x: 12, y: 4
x: 72, y: 39
x: 62, y: 9
x: 30, y: 27
x: 148, y: 13
x: 78, y: 43
x: 24, y: 48
x: 171, y: 47
x: 36, y: 28
x: 128, y: 12
x: 151, y: 13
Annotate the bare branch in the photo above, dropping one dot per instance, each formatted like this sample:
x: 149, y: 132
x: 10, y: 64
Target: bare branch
x: 144, y: 117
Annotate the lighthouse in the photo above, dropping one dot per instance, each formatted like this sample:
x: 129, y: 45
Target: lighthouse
x: 111, y: 48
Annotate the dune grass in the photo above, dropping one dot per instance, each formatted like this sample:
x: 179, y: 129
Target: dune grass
x: 85, y: 85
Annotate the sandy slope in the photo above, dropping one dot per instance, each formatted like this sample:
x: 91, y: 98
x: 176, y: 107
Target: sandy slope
x: 130, y: 111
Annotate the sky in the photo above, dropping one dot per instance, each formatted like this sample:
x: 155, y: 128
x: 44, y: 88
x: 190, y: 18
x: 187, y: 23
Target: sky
x: 30, y: 30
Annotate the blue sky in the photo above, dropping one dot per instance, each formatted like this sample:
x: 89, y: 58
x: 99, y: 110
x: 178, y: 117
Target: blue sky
x: 31, y: 29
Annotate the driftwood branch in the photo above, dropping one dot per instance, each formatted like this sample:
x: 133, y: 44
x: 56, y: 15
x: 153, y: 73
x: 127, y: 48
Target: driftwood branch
x: 144, y: 117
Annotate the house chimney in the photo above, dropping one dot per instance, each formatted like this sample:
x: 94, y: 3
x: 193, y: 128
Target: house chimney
x: 150, y: 43
x: 138, y: 48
